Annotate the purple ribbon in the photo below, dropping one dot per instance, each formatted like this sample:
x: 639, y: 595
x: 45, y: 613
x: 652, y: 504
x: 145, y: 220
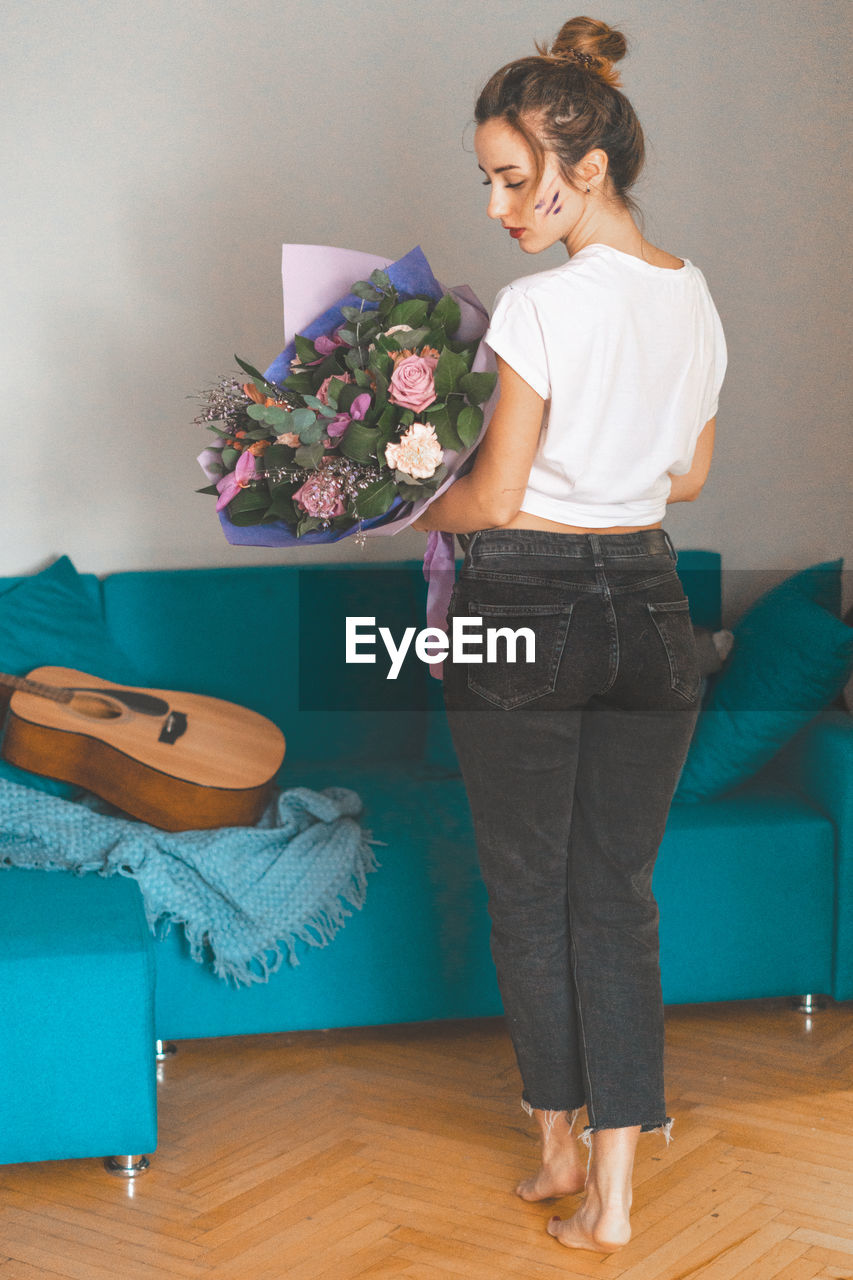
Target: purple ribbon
x: 440, y: 574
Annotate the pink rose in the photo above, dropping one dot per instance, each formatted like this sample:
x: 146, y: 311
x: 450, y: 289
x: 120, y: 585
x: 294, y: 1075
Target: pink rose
x: 323, y: 390
x: 321, y: 495
x: 412, y: 384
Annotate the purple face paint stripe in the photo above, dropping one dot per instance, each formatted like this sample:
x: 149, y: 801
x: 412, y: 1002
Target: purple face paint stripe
x: 559, y: 209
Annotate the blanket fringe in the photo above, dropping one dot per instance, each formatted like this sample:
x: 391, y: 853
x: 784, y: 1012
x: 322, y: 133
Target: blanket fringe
x: 318, y: 931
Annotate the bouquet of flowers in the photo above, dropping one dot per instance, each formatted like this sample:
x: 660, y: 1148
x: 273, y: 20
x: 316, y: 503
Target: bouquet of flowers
x: 373, y: 408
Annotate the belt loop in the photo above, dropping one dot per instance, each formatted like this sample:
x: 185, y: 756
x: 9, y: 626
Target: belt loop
x: 470, y: 543
x: 672, y: 550
x: 595, y: 548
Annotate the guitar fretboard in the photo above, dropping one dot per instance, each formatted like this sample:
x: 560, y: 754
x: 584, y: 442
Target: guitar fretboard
x: 55, y: 692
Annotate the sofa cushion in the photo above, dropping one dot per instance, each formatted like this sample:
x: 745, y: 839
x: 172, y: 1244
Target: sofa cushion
x: 54, y: 618
x: 418, y: 948
x: 725, y: 880
x: 791, y: 656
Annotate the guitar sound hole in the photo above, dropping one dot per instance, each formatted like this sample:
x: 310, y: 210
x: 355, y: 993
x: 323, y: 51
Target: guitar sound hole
x: 94, y: 707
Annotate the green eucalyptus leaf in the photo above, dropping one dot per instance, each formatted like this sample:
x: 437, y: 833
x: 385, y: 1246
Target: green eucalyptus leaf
x: 308, y: 456
x: 245, y: 519
x: 301, y: 419
x: 366, y: 291
x: 465, y: 350
x: 230, y: 457
x: 255, y: 498
x: 301, y: 383
x: 379, y: 362
x: 268, y: 388
x: 416, y: 338
x: 410, y: 492
x: 283, y: 507
x: 306, y: 352
x: 447, y: 313
x: 374, y: 499
x: 450, y: 369
x: 359, y: 442
x: 402, y: 477
x: 413, y: 311
x: 389, y: 418
x: 381, y: 280
x: 468, y: 423
x: 314, y: 432
x: 444, y: 429
x: 277, y: 418
x: 478, y: 386
x: 307, y: 523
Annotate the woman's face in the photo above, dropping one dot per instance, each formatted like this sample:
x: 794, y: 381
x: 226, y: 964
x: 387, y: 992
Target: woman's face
x: 535, y: 216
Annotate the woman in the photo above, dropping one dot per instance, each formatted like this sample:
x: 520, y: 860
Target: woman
x: 610, y: 368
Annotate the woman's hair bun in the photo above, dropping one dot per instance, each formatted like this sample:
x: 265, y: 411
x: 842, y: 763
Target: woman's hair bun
x: 590, y: 44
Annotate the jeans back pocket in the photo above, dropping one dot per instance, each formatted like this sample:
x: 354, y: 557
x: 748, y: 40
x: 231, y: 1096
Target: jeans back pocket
x: 521, y: 649
x: 675, y: 627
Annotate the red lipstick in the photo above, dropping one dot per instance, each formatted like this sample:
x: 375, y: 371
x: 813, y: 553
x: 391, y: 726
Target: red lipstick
x: 515, y: 232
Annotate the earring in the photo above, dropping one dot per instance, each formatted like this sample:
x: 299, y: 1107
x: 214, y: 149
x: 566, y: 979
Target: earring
x: 587, y: 189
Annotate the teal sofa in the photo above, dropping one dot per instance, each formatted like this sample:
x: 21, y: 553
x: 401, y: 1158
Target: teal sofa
x: 755, y: 887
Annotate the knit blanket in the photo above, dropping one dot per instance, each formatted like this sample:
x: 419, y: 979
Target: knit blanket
x: 244, y: 892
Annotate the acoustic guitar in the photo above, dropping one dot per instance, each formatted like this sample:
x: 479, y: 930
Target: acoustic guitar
x: 179, y: 761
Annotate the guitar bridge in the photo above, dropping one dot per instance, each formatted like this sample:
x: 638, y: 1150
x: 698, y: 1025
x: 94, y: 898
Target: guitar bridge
x: 174, y: 726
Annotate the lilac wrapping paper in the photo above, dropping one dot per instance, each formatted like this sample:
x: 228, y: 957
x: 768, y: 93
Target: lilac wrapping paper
x: 316, y: 280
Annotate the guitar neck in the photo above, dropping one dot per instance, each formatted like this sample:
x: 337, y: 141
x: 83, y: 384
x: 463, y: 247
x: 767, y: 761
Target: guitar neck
x: 54, y: 692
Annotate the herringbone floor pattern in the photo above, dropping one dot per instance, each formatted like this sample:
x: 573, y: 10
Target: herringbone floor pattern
x: 391, y: 1153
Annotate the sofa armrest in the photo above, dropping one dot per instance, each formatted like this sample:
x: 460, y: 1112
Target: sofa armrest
x: 818, y: 762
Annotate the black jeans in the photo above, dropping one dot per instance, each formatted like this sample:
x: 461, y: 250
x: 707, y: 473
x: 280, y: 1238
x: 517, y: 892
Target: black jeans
x: 570, y: 763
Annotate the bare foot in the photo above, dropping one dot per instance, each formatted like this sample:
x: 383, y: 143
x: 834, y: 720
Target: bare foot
x: 602, y: 1230
x: 563, y: 1170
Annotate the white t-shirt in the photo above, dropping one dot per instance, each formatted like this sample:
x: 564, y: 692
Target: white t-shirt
x: 630, y: 359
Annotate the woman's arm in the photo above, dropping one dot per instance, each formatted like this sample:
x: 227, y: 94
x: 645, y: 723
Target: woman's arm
x: 687, y: 488
x: 491, y: 493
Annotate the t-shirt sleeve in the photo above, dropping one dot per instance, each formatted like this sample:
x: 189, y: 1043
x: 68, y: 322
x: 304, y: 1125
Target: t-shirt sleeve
x: 515, y: 335
x: 720, y: 362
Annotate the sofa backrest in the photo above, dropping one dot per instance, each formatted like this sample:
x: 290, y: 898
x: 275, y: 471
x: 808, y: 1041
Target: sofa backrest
x: 700, y: 574
x: 271, y: 638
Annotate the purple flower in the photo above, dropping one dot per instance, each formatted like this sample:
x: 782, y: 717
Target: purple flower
x: 229, y: 486
x: 326, y: 345
x: 338, y: 425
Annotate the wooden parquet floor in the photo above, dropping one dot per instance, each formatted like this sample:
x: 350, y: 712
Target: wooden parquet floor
x: 392, y: 1152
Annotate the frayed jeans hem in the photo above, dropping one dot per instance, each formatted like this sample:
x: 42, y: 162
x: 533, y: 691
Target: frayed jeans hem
x: 655, y: 1126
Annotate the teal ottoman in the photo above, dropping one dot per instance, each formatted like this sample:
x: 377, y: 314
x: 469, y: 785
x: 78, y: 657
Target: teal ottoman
x: 76, y: 1019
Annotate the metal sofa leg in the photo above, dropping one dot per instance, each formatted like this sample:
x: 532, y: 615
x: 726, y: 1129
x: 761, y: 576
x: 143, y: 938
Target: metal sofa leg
x: 162, y: 1051
x: 808, y: 1003
x: 126, y: 1166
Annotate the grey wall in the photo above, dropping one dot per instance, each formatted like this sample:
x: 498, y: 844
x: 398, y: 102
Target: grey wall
x: 156, y: 155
